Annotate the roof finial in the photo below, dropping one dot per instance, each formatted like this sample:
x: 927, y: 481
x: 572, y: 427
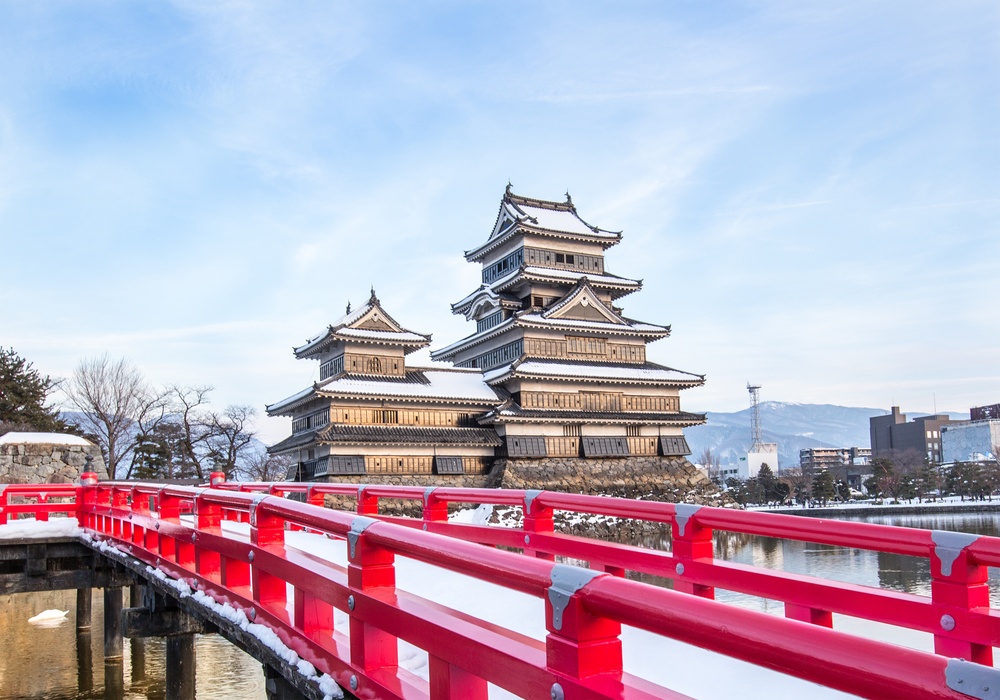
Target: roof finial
x: 373, y: 299
x: 569, y: 200
x: 348, y: 306
x: 509, y: 186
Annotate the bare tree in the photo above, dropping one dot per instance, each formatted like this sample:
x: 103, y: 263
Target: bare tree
x: 231, y: 438
x: 712, y: 465
x: 187, y: 409
x: 115, y: 399
x: 259, y: 465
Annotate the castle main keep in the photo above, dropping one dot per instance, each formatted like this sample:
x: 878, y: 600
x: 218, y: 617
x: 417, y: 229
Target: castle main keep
x: 551, y: 390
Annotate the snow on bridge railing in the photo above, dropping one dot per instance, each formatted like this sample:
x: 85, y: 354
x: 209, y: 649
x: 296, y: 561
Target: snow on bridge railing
x: 581, y: 656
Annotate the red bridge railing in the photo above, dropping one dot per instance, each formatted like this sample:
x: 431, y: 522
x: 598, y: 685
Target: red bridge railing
x: 581, y: 656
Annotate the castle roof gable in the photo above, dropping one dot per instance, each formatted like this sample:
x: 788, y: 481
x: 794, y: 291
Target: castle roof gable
x: 527, y: 214
x: 370, y: 323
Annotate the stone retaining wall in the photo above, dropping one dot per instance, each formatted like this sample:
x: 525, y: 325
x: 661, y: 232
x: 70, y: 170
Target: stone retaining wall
x: 43, y: 463
x: 670, y: 479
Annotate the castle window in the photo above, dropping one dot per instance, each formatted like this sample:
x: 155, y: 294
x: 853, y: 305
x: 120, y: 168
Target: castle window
x: 385, y: 416
x: 632, y: 430
x: 570, y: 260
x: 374, y: 364
x: 536, y: 301
x: 560, y: 258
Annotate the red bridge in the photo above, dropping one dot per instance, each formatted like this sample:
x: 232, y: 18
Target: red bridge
x: 167, y: 532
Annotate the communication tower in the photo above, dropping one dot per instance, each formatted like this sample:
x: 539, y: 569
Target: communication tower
x: 755, y: 430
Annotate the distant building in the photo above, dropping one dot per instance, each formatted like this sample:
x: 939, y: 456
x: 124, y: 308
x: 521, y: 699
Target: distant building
x: 823, y: 458
x: 974, y: 440
x: 892, y: 433
x: 749, y: 464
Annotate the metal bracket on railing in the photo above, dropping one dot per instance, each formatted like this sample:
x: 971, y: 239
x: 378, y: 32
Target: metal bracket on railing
x: 682, y: 513
x: 194, y: 503
x: 256, y: 500
x: 948, y: 545
x: 427, y: 494
x: 358, y: 525
x: 529, y: 497
x: 567, y: 580
x: 972, y: 679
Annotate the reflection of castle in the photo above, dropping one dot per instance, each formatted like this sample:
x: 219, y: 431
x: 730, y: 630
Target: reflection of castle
x: 554, y: 369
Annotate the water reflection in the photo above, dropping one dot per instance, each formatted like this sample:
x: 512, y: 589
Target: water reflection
x: 57, y: 663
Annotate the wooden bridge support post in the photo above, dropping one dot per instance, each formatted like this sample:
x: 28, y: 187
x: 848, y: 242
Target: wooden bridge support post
x: 83, y: 609
x: 277, y: 688
x: 84, y: 650
x: 181, y: 664
x: 114, y: 670
x: 137, y: 645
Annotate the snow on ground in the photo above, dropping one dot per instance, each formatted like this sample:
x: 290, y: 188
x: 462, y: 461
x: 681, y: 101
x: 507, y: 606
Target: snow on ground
x: 888, y: 506
x: 29, y: 528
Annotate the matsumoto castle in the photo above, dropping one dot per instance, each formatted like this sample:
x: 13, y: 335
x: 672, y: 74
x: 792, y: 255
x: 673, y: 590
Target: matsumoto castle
x: 553, y: 381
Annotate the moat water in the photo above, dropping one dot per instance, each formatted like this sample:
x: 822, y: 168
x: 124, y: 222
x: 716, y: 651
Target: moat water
x: 47, y: 661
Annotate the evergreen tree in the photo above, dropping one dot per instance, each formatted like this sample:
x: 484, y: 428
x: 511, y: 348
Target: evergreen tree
x: 23, y: 394
x: 822, y: 487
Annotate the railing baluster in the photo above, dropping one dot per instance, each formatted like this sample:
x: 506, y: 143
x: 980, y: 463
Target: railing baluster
x: 692, y: 543
x: 537, y: 520
x: 958, y: 584
x: 579, y: 644
x: 267, y: 529
x: 370, y: 570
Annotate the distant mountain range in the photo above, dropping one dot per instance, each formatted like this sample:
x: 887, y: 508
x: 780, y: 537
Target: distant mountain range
x: 794, y: 426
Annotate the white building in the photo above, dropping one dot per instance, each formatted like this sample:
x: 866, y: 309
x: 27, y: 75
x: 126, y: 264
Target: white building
x: 970, y: 441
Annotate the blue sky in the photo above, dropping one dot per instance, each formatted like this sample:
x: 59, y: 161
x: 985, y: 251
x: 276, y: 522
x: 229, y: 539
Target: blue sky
x: 810, y: 191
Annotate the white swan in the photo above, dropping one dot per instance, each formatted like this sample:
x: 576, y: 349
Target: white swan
x: 48, y: 617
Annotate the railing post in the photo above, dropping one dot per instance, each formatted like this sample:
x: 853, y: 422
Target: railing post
x: 3, y: 506
x: 102, y: 508
x: 120, y: 527
x: 958, y: 584
x: 367, y: 505
x: 435, y: 510
x: 86, y: 497
x: 536, y: 519
x: 168, y: 510
x: 370, y: 570
x: 266, y: 529
x: 691, y: 543
x: 207, y: 519
x: 216, y: 478
x: 579, y: 644
x: 42, y: 516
